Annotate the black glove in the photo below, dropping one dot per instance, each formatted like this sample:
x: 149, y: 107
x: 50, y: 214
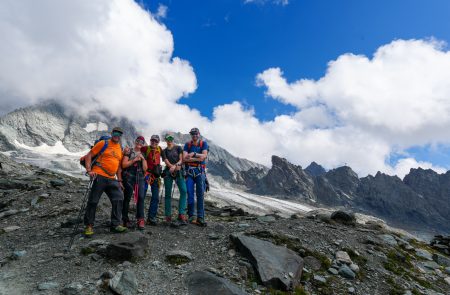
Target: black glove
x: 206, y: 185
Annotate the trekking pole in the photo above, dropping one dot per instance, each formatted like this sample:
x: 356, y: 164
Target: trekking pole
x: 83, y: 207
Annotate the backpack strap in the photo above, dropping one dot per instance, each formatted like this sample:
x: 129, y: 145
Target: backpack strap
x: 96, y: 163
x: 191, y: 143
x: 147, y: 152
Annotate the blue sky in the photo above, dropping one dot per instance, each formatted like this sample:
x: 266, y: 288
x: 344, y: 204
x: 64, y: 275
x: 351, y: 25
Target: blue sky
x: 229, y: 42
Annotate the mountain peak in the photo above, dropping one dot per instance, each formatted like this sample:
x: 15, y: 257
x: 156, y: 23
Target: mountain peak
x: 315, y: 169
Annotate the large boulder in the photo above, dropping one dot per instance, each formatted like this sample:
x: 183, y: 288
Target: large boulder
x: 202, y: 282
x: 277, y: 267
x: 127, y: 247
x: 347, y: 218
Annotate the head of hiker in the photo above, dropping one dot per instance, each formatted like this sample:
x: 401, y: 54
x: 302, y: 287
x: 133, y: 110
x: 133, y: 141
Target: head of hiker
x: 139, y: 142
x: 195, y: 134
x: 169, y: 139
x: 154, y: 141
x: 116, y: 134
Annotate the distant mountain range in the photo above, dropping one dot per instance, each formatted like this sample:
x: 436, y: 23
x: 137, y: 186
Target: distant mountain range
x: 421, y: 201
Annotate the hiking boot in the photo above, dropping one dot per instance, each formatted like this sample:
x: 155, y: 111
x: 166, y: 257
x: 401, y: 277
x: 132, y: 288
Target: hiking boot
x: 201, y: 222
x: 88, y: 231
x: 140, y: 223
x: 152, y: 221
x: 182, y: 219
x: 127, y: 224
x: 193, y: 219
x: 119, y: 229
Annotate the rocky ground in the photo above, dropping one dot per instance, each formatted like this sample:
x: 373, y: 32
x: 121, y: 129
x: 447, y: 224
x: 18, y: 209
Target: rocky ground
x: 237, y: 253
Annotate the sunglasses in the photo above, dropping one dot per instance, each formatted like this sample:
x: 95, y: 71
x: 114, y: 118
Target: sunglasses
x: 194, y: 134
x: 139, y: 141
x: 154, y: 140
x: 115, y: 133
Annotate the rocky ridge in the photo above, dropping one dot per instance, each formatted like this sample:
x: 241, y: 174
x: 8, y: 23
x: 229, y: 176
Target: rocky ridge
x: 421, y: 201
x: 238, y: 253
x: 49, y: 123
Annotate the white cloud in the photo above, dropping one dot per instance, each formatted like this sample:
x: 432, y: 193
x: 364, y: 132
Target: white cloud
x: 95, y: 54
x: 113, y: 54
x: 162, y: 11
x: 368, y: 108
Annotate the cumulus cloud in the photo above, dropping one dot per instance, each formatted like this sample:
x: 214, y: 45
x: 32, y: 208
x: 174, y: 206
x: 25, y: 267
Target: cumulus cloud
x: 395, y: 100
x: 113, y: 54
x: 92, y: 54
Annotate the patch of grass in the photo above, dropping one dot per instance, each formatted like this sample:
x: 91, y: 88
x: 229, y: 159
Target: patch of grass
x: 424, y: 283
x: 392, y: 267
x: 396, y: 289
x: 306, y: 276
x: 300, y: 291
x: 176, y: 260
x: 87, y: 250
x: 398, y: 262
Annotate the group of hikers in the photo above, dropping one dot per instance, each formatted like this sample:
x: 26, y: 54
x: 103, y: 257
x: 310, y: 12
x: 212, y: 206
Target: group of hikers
x: 123, y: 174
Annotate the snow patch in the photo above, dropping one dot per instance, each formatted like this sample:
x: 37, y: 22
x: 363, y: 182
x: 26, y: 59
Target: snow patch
x: 255, y: 204
x: 100, y: 126
x: 58, y: 148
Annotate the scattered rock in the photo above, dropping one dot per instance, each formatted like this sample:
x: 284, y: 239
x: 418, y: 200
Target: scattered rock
x: 213, y: 236
x: 244, y: 225
x: 203, y: 282
x: 72, y: 289
x: 47, y: 286
x: 129, y: 246
x: 388, y: 240
x: 351, y: 290
x: 179, y: 257
x: 238, y: 212
x: 8, y: 184
x: 266, y: 218
x: 447, y: 280
x: 12, y: 228
x: 354, y: 267
x: 271, y: 262
x: 343, y: 257
x: 441, y: 259
x: 8, y: 213
x: 312, y: 263
x: 107, y: 275
x: 344, y: 217
x: 124, y: 283
x: 57, y: 182
x: 447, y: 270
x: 319, y: 279
x: 18, y: 254
x: 424, y: 254
x: 333, y: 271
x: 346, y: 272
x: 431, y: 265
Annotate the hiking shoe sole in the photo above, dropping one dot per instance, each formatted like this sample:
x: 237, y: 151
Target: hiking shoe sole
x: 119, y: 229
